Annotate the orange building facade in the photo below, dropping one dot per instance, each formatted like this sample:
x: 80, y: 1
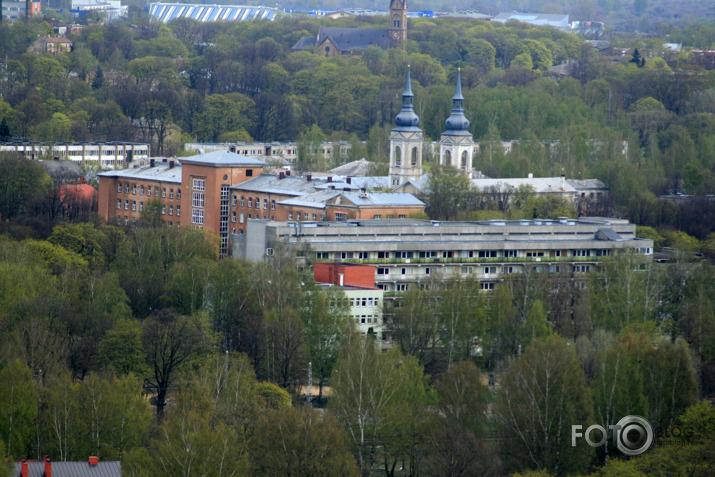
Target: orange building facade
x: 221, y: 191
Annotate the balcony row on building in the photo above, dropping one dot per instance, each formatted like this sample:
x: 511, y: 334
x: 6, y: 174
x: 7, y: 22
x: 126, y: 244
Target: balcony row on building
x: 102, y: 155
x: 406, y: 252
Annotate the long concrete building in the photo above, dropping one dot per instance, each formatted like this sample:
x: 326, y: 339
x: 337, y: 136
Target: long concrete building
x: 406, y: 252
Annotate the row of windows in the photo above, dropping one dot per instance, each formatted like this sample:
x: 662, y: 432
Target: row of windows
x: 133, y: 220
x: 488, y: 270
x: 389, y: 216
x: 306, y: 216
x: 251, y: 201
x: 133, y: 205
x: 134, y: 188
x: 366, y: 319
x: 460, y: 254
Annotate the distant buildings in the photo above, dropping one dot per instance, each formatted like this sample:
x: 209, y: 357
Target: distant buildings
x: 165, y: 12
x: 112, y: 9
x: 17, y: 10
x: 53, y: 45
x: 102, y: 155
x: 92, y: 468
x: 539, y: 19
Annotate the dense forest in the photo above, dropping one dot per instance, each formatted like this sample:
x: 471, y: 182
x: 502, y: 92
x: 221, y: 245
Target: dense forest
x: 139, y: 345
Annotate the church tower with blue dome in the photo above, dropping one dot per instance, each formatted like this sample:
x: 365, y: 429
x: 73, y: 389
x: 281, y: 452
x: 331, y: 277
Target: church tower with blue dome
x: 406, y: 141
x: 456, y: 145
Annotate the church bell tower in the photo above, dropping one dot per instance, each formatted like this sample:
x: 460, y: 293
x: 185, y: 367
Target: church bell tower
x: 406, y: 141
x: 398, y: 20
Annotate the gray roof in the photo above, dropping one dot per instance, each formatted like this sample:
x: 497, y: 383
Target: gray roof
x: 534, y: 18
x: 316, y: 199
x: 608, y: 234
x: 222, y: 159
x: 541, y: 185
x: 357, y: 183
x: 72, y: 469
x: 305, y: 43
x: 273, y: 184
x: 353, y: 169
x: 382, y: 199
x: 347, y: 39
x: 161, y: 172
x: 586, y: 184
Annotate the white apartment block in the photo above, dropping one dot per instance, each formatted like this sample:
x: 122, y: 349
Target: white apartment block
x: 406, y: 252
x: 104, y: 155
x: 365, y: 309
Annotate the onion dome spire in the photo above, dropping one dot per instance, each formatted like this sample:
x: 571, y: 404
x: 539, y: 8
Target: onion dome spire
x: 457, y: 124
x: 407, y: 120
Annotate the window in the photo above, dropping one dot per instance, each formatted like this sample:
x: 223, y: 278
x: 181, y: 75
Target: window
x: 265, y: 204
x: 198, y: 200
x: 427, y: 271
x: 240, y: 218
x: 249, y: 172
x: 178, y: 194
x: 148, y: 191
x: 249, y: 217
x: 323, y: 255
x: 534, y: 253
x: 163, y: 209
x: 126, y: 188
x: 489, y: 270
x: 487, y: 286
x: 156, y: 191
x: 377, y: 216
x: 510, y: 253
x: 401, y: 216
x: 178, y: 210
x: 119, y: 187
x: 141, y: 190
x: 383, y: 271
x: 487, y: 254
x: 234, y: 201
x: 171, y: 210
x: 233, y: 217
x: 403, y: 271
x: 580, y: 253
x: 315, y: 217
x: 119, y: 203
x: 134, y: 205
x: 242, y: 202
x: 134, y: 189
x: 401, y: 287
x: 141, y: 206
x: 383, y: 254
x: 363, y: 255
x: 403, y: 254
x: 197, y: 217
x: 250, y: 202
x: 273, y: 205
x: 290, y: 215
x: 126, y: 205
x: 163, y: 192
x: 258, y: 202
x: 171, y: 193
x: 340, y: 217
x: 198, y: 184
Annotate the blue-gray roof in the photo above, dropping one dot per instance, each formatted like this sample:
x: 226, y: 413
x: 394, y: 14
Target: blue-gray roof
x: 162, y: 172
x: 222, y: 159
x: 316, y: 200
x: 271, y: 184
x: 383, y: 199
x: 346, y: 39
x: 72, y: 469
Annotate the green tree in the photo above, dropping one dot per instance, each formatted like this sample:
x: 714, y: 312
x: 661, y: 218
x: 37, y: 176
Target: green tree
x: 21, y: 180
x: 542, y: 395
x: 301, y: 441
x: 18, y: 408
x: 122, y: 348
x: 171, y: 342
x: 448, y: 191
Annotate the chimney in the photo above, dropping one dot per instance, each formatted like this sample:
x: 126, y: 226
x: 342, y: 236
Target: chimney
x: 342, y: 279
x: 281, y: 175
x: 287, y: 173
x: 48, y: 467
x: 531, y: 175
x: 171, y: 164
x: 163, y: 159
x: 349, y: 180
x: 330, y: 179
x: 23, y: 469
x: 93, y: 460
x: 563, y: 182
x: 309, y: 177
x: 151, y: 163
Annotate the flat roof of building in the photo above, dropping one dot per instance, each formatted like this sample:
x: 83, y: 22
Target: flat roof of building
x: 162, y: 172
x: 223, y: 159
